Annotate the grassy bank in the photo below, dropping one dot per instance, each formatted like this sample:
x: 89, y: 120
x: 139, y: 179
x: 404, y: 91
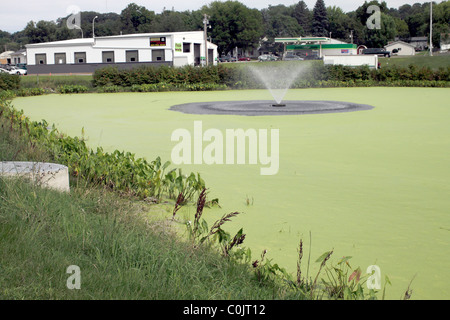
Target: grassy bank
x: 420, y: 61
x: 53, y: 81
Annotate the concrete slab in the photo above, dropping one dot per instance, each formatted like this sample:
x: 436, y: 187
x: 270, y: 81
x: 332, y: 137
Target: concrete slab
x: 51, y: 175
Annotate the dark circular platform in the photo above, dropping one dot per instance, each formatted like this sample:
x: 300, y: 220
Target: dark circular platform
x: 266, y: 108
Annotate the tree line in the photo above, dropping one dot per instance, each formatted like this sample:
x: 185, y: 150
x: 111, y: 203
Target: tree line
x: 233, y: 24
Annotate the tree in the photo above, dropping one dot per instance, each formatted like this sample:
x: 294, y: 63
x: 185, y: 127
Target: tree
x: 380, y: 37
x: 43, y: 31
x: 279, y: 22
x: 339, y: 23
x: 171, y: 21
x: 303, y: 16
x: 234, y: 25
x: 320, y: 23
x: 402, y: 30
x: 133, y: 17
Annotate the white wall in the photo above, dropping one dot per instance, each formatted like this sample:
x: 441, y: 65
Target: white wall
x: 353, y: 61
x: 338, y: 52
x: 405, y: 49
x: 192, y: 38
x: 68, y: 50
x: 120, y: 44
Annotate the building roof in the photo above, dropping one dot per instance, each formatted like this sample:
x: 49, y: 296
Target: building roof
x: 6, y: 54
x: 20, y: 52
x: 399, y: 42
x: 301, y: 39
x: 91, y: 41
x: 73, y: 42
x: 418, y: 39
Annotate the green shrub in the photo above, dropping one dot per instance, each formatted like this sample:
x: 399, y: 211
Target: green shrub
x: 7, y: 95
x: 118, y: 171
x: 9, y: 81
x: 67, y: 89
x: 26, y: 92
x: 165, y: 78
x: 109, y: 89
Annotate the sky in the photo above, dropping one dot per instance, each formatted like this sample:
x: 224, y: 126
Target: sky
x: 14, y: 18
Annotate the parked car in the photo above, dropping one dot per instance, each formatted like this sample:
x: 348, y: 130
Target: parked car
x: 292, y: 57
x: 312, y: 57
x: 267, y: 57
x: 227, y: 59
x: 3, y: 70
x: 244, y: 59
x: 22, y: 66
x: 377, y: 51
x: 15, y: 70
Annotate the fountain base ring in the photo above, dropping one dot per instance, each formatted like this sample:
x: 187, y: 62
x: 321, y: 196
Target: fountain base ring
x: 267, y: 107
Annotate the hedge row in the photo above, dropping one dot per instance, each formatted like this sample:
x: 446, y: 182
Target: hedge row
x: 186, y: 78
x: 111, y: 76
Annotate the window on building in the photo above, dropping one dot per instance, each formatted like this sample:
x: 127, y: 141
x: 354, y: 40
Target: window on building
x: 80, y: 57
x: 108, y: 56
x: 186, y: 47
x: 60, y: 58
x: 132, y: 56
x: 41, y: 58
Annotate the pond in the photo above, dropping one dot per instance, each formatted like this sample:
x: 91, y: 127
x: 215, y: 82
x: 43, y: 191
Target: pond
x: 371, y: 184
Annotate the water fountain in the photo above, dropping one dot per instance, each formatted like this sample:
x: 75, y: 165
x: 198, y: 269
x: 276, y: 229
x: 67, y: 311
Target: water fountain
x: 277, y: 78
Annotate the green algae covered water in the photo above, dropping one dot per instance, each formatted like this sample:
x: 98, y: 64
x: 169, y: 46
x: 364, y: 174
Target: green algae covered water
x: 370, y: 184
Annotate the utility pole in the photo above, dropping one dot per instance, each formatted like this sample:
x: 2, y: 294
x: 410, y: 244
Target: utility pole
x: 205, y: 26
x: 431, y: 28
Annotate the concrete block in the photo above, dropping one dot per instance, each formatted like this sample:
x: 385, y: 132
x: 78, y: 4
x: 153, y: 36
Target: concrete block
x: 51, y: 175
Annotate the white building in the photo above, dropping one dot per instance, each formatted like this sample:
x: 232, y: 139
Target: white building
x: 401, y: 48
x: 5, y: 57
x: 357, y: 60
x: 19, y: 57
x: 124, y: 51
x: 445, y: 42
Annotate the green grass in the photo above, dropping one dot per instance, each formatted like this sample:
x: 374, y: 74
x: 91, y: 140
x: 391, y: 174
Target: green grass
x: 53, y: 81
x: 435, y: 62
x: 372, y: 184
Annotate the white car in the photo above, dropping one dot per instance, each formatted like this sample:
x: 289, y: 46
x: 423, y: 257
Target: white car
x: 15, y: 70
x: 267, y: 57
x: 3, y: 71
